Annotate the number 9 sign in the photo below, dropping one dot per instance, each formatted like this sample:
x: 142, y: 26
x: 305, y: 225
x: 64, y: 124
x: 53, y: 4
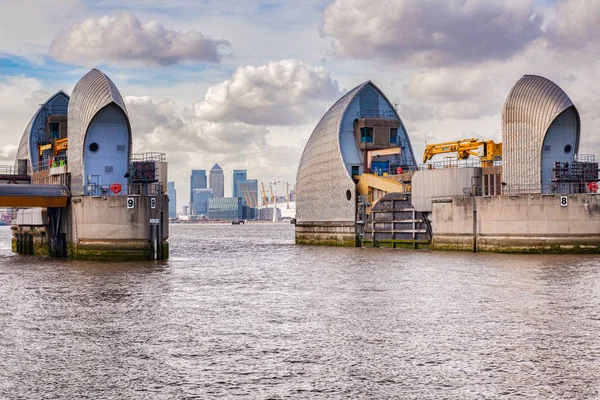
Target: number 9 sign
x: 130, y: 202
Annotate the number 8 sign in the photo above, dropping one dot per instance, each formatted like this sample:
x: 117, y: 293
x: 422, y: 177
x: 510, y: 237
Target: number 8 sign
x: 564, y: 201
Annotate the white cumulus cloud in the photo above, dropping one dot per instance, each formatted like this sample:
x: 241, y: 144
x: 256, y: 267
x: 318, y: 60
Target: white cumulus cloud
x: 286, y: 92
x: 124, y: 39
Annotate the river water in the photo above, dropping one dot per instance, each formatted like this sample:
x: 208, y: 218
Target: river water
x: 240, y: 311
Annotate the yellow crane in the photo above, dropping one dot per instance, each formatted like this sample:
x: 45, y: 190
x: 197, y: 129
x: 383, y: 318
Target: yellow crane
x: 486, y: 150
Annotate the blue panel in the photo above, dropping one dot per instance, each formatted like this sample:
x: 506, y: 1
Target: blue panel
x: 369, y: 102
x: 104, y: 165
x: 379, y: 167
x: 559, y: 145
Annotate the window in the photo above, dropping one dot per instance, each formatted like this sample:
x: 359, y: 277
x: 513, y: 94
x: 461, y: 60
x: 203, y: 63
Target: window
x: 568, y: 148
x: 121, y: 148
x: 108, y: 169
x: 355, y: 170
x: 547, y: 147
x: 54, y: 130
x: 94, y: 147
x: 366, y: 135
x: 393, y: 135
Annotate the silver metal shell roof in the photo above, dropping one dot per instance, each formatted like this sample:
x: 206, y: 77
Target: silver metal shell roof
x: 531, y: 106
x: 92, y: 93
x: 323, y: 179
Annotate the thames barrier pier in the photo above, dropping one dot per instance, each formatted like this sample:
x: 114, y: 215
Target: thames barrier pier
x: 358, y: 182
x: 79, y: 189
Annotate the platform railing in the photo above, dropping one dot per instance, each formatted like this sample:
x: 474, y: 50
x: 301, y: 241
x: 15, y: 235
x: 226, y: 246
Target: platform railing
x: 8, y: 170
x: 550, y: 189
x: 52, y: 162
x: 149, y: 156
x: 134, y: 189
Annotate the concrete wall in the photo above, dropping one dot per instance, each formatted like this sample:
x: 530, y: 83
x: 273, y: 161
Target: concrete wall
x: 526, y: 223
x: 103, y: 227
x: 326, y: 233
x: 429, y: 184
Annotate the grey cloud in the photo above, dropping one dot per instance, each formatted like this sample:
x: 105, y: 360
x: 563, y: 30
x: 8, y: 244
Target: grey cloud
x: 124, y: 39
x: 162, y: 126
x: 430, y: 32
x: 458, y: 93
x: 576, y: 25
x: 285, y: 92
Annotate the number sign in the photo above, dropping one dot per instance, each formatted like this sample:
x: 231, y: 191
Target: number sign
x: 130, y: 202
x: 564, y: 201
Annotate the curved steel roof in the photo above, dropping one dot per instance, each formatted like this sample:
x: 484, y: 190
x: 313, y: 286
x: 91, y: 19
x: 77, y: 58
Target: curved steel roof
x: 92, y: 93
x: 23, y: 152
x: 531, y: 106
x: 323, y: 179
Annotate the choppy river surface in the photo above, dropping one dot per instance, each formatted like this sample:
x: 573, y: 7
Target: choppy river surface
x: 240, y: 311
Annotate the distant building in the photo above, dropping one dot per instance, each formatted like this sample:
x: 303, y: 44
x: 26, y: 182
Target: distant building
x: 172, y: 193
x: 248, y: 191
x: 227, y: 208
x: 201, y: 198
x: 185, y: 210
x: 197, y: 181
x: 217, y: 181
x: 238, y: 176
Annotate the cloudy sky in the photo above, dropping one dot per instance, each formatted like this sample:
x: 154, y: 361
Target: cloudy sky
x: 244, y: 82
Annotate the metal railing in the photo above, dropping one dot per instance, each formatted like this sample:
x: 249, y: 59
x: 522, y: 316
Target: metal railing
x: 150, y: 156
x: 455, y: 163
x: 385, y: 114
x: 52, y: 162
x: 8, y: 170
x: 516, y: 190
x: 149, y: 189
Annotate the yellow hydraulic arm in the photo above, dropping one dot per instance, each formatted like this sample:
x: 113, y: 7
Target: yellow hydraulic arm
x: 59, y: 145
x: 375, y: 187
x: 486, y: 150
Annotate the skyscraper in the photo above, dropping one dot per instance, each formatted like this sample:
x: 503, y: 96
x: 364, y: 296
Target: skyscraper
x: 197, y: 181
x: 172, y: 193
x: 217, y: 181
x: 201, y: 197
x: 248, y: 191
x: 238, y: 176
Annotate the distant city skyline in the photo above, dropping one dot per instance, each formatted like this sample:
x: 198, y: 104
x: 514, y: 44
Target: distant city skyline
x: 249, y: 185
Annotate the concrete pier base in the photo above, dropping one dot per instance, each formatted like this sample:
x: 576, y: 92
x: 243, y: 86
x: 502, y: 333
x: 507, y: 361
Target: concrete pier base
x: 108, y: 228
x: 326, y: 233
x: 529, y: 223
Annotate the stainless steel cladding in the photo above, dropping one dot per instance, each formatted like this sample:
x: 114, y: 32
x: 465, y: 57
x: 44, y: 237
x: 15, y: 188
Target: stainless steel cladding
x: 530, y: 109
x: 23, y: 150
x: 323, y: 180
x: 91, y: 94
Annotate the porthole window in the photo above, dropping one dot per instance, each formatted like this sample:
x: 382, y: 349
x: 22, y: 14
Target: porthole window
x: 568, y: 148
x: 94, y: 147
x: 348, y: 194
